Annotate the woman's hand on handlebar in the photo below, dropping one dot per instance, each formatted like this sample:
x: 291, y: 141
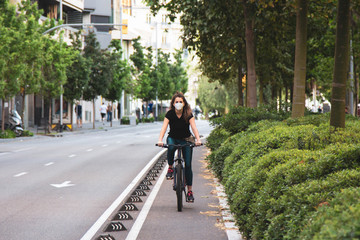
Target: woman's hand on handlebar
x: 198, y: 143
x: 160, y: 144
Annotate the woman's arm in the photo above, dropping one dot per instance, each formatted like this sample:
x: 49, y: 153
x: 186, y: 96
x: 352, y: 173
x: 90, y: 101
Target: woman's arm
x: 195, y: 131
x: 162, y: 132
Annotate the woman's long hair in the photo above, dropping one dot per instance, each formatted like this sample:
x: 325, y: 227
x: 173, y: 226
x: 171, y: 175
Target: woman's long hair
x: 186, y: 110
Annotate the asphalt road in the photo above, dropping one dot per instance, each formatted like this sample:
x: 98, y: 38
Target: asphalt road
x: 56, y: 188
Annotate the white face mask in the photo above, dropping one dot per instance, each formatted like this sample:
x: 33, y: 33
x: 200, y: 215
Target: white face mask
x: 178, y: 106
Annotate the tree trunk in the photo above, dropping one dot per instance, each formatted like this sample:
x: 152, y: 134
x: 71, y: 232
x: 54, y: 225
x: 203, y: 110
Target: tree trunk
x: 261, y: 91
x: 111, y: 115
x: 239, y: 79
x: 72, y: 116
x: 341, y: 65
x: 250, y: 56
x: 298, y: 105
x: 3, y: 114
x: 49, y: 119
x: 94, y: 113
x: 356, y: 80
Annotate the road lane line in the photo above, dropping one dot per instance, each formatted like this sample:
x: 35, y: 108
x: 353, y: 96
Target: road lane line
x: 89, y: 150
x: 135, y: 229
x: 105, y: 145
x: 23, y: 149
x: 20, y: 174
x: 49, y: 164
x: 72, y: 155
x: 104, y: 217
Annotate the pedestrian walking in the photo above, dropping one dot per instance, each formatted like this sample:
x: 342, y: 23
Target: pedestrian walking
x: 109, y: 112
x: 103, y: 110
x: 78, y: 111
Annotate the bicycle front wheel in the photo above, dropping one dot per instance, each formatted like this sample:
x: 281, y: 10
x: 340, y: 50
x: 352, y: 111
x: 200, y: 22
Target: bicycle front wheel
x: 179, y: 188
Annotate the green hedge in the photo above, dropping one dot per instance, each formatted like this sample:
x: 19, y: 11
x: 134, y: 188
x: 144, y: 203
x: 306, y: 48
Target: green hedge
x: 337, y: 219
x: 277, y: 174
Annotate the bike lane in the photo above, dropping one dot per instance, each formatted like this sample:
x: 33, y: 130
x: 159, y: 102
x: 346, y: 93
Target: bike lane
x: 199, y: 220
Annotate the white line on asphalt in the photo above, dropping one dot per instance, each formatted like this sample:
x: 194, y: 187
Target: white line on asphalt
x: 97, y: 225
x: 105, y: 145
x: 49, y: 164
x: 72, y: 155
x: 135, y: 229
x: 20, y: 174
x: 23, y: 149
x: 89, y: 150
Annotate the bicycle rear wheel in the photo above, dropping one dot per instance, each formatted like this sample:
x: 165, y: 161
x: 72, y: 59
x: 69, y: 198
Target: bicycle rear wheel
x: 179, y: 188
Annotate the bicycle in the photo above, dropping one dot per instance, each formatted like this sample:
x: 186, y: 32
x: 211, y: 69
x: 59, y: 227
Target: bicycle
x: 179, y: 173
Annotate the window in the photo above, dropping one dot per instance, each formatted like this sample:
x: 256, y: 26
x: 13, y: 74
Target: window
x: 164, y: 39
x: 148, y: 18
x: 163, y: 18
x: 101, y: 19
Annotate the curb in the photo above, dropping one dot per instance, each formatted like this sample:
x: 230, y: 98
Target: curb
x: 231, y: 229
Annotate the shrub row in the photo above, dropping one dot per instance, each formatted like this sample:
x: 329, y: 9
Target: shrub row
x: 279, y: 175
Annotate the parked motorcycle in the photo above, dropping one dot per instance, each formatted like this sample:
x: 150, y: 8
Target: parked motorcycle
x: 15, y: 123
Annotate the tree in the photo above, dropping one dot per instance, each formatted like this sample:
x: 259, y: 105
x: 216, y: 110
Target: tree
x: 249, y: 16
x: 10, y: 57
x: 298, y: 108
x: 120, y: 73
x: 31, y: 46
x: 145, y: 79
x: 165, y: 84
x: 341, y: 65
x: 55, y: 60
x: 77, y: 73
x: 178, y: 73
x: 99, y: 80
x: 214, y: 96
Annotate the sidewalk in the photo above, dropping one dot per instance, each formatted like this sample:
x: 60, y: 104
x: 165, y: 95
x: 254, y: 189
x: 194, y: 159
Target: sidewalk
x: 86, y: 127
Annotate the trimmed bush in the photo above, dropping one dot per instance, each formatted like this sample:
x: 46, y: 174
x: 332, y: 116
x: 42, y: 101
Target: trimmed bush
x: 338, y: 219
x: 277, y: 175
x: 216, y: 138
x: 240, y: 118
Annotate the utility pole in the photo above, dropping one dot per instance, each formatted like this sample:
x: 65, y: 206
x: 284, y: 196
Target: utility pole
x: 156, y: 107
x: 61, y: 87
x: 122, y: 101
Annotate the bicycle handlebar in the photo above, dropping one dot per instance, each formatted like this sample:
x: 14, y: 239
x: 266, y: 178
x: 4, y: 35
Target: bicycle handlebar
x: 179, y: 145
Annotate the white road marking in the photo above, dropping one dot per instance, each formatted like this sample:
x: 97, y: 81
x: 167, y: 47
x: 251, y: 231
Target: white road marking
x: 23, y: 149
x: 62, y: 185
x: 135, y: 229
x: 20, y: 174
x: 105, y: 145
x: 49, y: 164
x: 103, y: 218
x: 72, y: 155
x: 89, y: 150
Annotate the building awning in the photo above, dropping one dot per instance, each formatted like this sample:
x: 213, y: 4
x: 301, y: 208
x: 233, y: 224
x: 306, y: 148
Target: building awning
x: 77, y: 5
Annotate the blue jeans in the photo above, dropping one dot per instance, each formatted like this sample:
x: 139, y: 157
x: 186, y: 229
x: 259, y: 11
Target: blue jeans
x: 187, y: 155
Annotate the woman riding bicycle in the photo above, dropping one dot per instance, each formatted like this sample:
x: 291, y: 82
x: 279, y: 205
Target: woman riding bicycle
x: 180, y: 119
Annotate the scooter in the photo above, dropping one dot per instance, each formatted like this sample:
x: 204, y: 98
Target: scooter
x: 15, y: 123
